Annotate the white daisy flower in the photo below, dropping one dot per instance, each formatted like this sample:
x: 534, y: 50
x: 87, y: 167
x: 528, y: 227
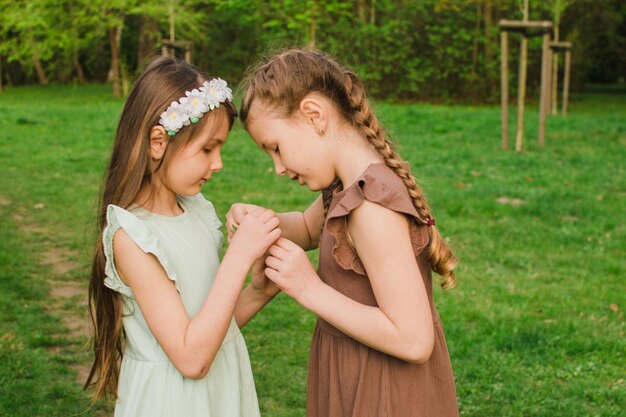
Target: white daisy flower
x: 194, y: 105
x: 174, y: 117
x: 195, y: 102
x: 217, y: 92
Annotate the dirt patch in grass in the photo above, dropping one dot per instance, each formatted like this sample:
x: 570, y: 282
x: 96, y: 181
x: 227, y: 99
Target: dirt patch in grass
x: 57, y: 259
x: 68, y: 296
x: 69, y: 302
x: 66, y: 291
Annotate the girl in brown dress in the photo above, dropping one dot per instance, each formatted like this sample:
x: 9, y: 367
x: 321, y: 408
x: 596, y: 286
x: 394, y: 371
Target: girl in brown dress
x: 379, y: 347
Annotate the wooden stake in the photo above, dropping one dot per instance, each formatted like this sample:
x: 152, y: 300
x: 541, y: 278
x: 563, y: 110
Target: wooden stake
x: 555, y: 83
x: 545, y: 68
x: 555, y: 73
x: 548, y: 97
x: 568, y: 58
x: 504, y: 86
x: 521, y: 93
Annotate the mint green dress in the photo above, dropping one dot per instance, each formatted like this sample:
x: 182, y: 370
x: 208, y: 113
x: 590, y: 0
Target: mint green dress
x: 187, y: 247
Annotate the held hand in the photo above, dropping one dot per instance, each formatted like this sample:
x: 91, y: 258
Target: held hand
x: 289, y: 268
x: 235, y: 215
x: 256, y: 232
x: 259, y: 282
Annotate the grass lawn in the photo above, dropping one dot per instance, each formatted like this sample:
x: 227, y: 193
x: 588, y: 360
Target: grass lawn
x: 535, y: 326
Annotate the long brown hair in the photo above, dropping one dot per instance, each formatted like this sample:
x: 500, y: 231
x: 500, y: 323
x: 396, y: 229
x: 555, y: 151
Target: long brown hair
x: 163, y: 81
x: 284, y: 79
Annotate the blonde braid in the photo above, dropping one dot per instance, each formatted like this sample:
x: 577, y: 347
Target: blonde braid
x: 440, y: 255
x: 273, y: 83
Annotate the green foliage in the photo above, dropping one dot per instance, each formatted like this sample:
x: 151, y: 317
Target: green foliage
x: 24, y: 30
x: 427, y: 49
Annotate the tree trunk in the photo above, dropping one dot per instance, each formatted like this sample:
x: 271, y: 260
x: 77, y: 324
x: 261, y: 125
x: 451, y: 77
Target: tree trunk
x: 488, y: 51
x: 361, y: 10
x: 312, y: 26
x: 488, y: 20
x: 373, y: 12
x: 147, y: 30
x: 41, y: 74
x: 80, y: 74
x: 476, y: 36
x: 170, y: 12
x: 114, y: 37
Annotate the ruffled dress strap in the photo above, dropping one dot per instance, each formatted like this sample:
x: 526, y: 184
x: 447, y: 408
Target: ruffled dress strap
x: 140, y: 233
x: 378, y: 184
x: 205, y: 210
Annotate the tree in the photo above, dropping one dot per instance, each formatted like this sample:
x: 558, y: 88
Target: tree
x: 114, y: 13
x: 25, y: 34
x: 558, y: 7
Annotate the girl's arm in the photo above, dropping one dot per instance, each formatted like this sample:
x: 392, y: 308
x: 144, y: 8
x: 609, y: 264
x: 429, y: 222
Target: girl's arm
x: 191, y: 344
x: 256, y: 295
x: 402, y: 324
x: 302, y: 228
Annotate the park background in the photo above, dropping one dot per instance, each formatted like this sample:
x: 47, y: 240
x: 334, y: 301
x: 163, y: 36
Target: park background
x: 536, y: 324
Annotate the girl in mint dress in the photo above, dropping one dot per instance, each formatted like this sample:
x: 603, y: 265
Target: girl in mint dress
x: 166, y: 312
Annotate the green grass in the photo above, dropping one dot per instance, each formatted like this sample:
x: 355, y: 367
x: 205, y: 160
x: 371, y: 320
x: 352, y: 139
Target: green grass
x: 531, y: 328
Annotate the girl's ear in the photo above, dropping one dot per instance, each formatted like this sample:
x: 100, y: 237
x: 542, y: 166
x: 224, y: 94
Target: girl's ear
x: 315, y: 110
x: 158, y: 142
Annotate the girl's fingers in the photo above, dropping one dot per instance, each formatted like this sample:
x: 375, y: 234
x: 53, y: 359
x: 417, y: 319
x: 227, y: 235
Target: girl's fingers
x: 286, y: 244
x: 274, y: 235
x: 272, y: 274
x: 277, y: 252
x: 272, y: 262
x: 237, y: 213
x: 273, y: 223
x: 267, y: 215
x: 257, y: 211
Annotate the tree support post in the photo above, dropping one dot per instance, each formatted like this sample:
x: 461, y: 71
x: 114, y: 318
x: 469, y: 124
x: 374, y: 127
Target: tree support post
x: 526, y: 29
x: 504, y: 85
x: 555, y: 48
x: 568, y: 59
x: 543, y: 99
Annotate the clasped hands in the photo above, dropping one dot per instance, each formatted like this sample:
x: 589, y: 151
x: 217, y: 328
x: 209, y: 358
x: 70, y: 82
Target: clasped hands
x: 284, y: 266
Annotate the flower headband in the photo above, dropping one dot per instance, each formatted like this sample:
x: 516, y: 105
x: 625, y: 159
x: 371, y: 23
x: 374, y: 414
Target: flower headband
x: 196, y: 102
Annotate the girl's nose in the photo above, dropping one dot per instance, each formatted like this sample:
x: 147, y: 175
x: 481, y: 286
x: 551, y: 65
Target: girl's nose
x: 279, y: 167
x: 216, y: 163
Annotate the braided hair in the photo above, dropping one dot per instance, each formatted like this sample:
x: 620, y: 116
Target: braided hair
x: 283, y: 80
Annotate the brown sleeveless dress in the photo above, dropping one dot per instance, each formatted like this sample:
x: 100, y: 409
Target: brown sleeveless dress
x: 347, y: 378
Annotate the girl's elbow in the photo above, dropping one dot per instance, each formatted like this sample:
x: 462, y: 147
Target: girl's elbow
x: 419, y: 356
x: 419, y: 352
x: 193, y: 370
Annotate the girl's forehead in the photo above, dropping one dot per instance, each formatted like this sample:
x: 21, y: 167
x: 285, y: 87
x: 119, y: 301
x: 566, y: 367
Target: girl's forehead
x: 214, y: 129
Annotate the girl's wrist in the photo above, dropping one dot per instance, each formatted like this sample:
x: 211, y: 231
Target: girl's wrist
x: 262, y: 294
x: 314, y: 293
x: 237, y: 260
